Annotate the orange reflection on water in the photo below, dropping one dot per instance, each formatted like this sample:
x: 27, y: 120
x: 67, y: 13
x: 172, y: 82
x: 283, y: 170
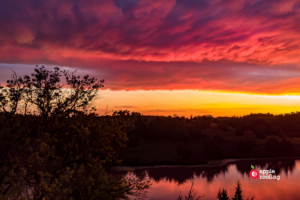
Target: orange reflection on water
x: 207, y: 182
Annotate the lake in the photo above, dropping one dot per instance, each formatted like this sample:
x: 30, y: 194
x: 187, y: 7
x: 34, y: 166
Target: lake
x: 170, y: 181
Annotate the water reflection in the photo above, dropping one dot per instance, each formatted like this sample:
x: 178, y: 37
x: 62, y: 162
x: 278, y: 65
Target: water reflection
x: 182, y: 174
x: 283, y: 165
x: 168, y: 182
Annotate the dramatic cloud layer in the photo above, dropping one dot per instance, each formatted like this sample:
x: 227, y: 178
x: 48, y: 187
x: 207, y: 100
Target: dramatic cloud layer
x: 233, y: 45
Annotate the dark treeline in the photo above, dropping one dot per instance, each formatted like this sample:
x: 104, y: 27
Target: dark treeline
x: 197, y: 139
x: 181, y: 128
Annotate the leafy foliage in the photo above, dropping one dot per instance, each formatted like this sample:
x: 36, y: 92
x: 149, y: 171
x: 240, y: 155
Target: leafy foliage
x: 53, y: 145
x: 222, y: 195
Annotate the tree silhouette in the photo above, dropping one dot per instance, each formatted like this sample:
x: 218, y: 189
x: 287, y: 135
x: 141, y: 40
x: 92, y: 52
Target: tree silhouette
x: 191, y: 195
x: 52, y: 143
x: 238, y: 192
x: 222, y: 195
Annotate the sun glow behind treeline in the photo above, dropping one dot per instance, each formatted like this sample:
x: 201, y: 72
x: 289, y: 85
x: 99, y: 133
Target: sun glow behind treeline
x: 194, y: 102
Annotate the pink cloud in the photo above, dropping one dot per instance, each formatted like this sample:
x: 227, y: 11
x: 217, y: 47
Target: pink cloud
x: 206, y: 75
x: 212, y: 45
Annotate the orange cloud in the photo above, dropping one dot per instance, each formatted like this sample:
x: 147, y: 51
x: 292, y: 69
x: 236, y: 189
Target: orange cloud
x: 238, y: 46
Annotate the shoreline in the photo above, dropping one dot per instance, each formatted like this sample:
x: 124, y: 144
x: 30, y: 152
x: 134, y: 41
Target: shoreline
x: 209, y: 163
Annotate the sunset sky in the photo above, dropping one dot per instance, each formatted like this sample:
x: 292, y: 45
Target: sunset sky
x: 192, y: 57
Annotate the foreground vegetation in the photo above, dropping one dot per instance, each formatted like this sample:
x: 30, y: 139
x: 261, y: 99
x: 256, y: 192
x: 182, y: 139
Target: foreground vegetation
x: 53, y: 145
x: 222, y: 194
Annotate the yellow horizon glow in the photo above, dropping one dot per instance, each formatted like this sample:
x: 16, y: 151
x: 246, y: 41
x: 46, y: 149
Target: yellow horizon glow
x: 195, y: 102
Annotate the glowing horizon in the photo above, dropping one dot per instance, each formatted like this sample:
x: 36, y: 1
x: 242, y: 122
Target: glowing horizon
x: 192, y: 102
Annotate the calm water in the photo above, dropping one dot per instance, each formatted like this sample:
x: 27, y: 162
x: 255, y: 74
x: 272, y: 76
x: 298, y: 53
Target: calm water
x: 168, y: 182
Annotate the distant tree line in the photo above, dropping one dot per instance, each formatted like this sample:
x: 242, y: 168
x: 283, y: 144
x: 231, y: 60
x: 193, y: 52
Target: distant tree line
x: 275, y: 131
x: 262, y: 125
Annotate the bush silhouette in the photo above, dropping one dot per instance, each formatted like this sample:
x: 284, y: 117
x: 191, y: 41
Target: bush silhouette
x: 222, y: 195
x: 53, y: 144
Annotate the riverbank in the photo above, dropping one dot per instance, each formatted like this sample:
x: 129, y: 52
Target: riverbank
x: 210, y: 163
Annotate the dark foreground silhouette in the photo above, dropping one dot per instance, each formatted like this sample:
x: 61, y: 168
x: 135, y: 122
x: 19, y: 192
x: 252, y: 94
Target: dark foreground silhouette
x: 222, y: 194
x: 53, y: 145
